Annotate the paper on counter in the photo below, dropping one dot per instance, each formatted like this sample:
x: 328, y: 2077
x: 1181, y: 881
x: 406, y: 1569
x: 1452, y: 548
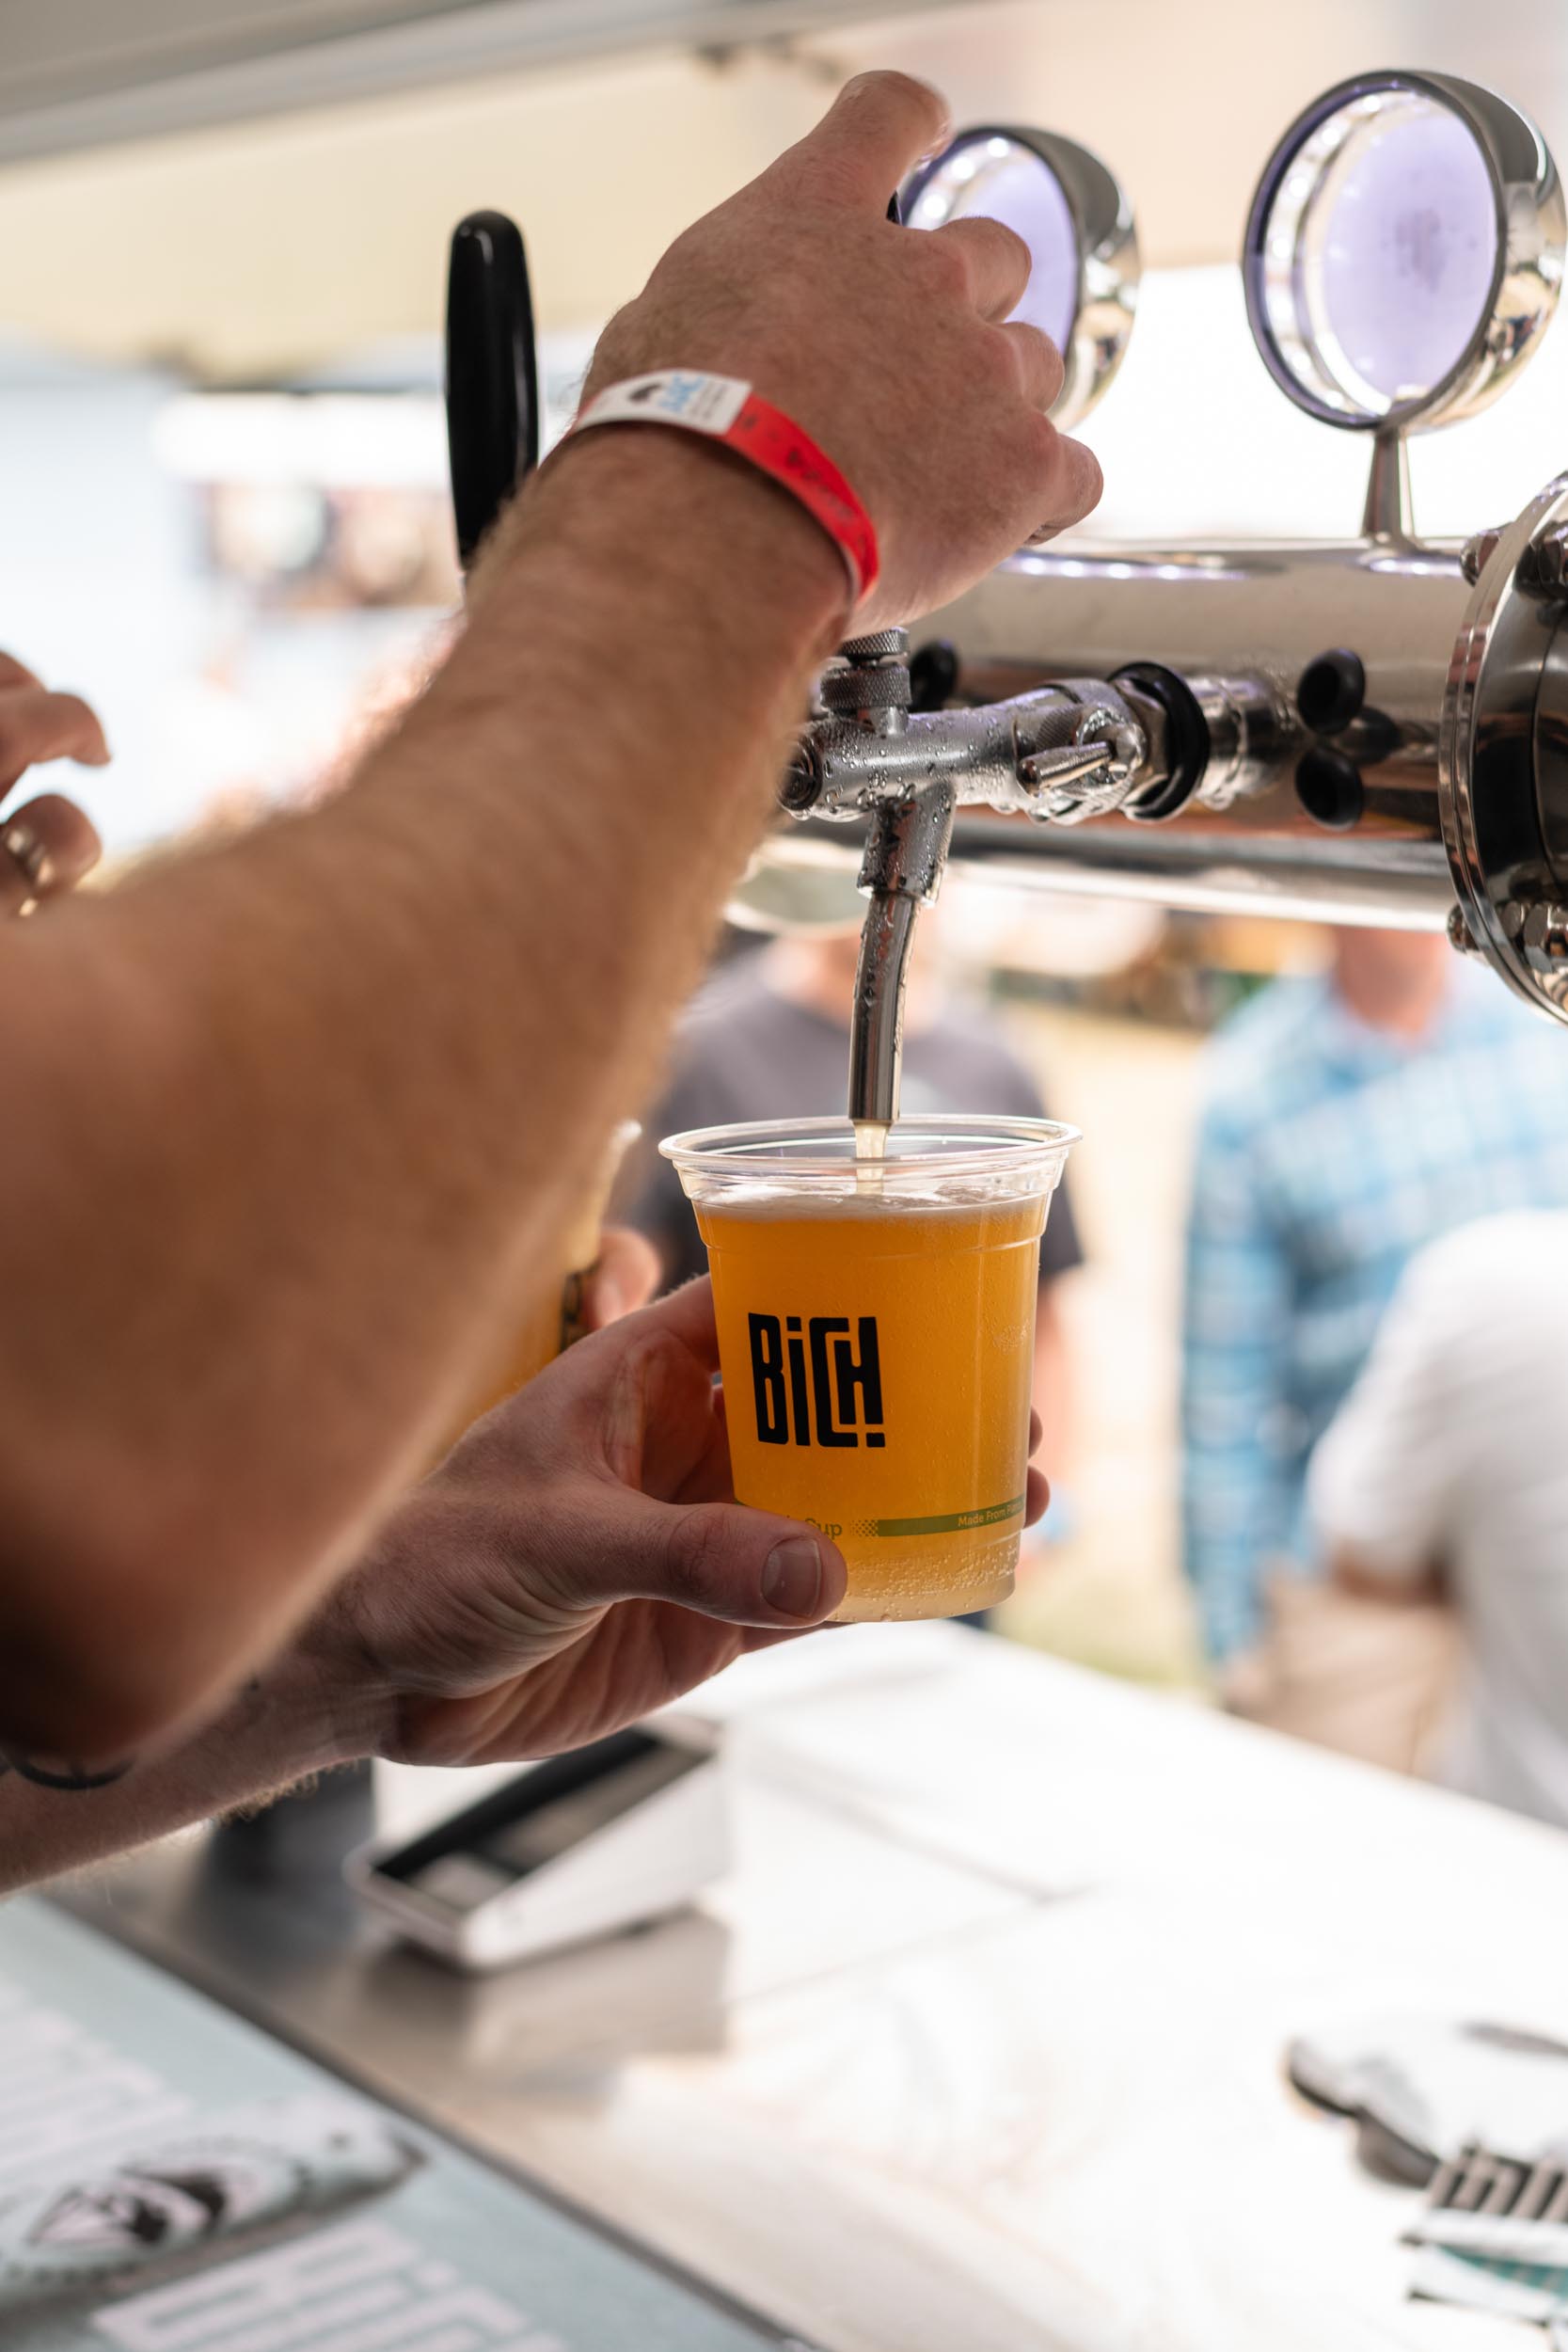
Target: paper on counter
x: 172, y: 2198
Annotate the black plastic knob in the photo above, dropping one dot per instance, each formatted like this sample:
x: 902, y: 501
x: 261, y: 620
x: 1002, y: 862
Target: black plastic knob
x: 802, y: 788
x: 933, y: 674
x: 1329, y: 788
x: 492, y: 373
x: 1331, y: 690
x: 1187, y: 744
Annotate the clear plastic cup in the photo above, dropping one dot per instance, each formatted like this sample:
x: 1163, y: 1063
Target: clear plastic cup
x: 875, y: 1338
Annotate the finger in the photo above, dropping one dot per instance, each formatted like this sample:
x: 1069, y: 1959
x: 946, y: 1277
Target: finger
x: 1037, y: 1501
x: 745, y: 1568
x: 713, y: 1480
x: 1040, y: 365
x: 998, y: 262
x: 872, y: 137
x: 686, y: 1314
x: 1069, y: 486
x: 15, y: 673
x: 625, y: 1278
x: 46, y: 847
x: 35, y: 725
x: 1037, y: 1431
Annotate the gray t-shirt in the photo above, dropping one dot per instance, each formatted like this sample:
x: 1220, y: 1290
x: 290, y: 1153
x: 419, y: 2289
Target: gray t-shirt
x: 744, y: 1052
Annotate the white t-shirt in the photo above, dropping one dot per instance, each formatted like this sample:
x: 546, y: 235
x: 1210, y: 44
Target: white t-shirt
x: 1453, y: 1450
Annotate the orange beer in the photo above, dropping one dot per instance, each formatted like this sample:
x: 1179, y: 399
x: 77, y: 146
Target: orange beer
x: 876, y: 1333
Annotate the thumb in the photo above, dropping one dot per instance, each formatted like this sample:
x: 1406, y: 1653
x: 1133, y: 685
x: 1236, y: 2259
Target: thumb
x: 749, y: 1567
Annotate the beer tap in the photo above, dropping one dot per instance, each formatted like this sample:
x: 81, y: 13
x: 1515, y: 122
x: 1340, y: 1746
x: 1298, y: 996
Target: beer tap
x: 870, y: 754
x: 1077, y: 748
x: 1365, y: 729
x: 1371, y: 729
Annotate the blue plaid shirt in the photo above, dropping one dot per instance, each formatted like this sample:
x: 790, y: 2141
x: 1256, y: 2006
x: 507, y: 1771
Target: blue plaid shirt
x: 1327, y: 1154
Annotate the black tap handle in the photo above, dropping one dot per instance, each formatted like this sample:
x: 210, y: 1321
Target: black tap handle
x: 492, y: 373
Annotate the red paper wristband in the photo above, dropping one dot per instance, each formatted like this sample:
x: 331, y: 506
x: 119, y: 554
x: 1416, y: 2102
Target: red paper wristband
x: 729, y: 411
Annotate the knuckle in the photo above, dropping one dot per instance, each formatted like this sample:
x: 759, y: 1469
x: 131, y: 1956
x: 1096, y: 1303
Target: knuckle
x: 1042, y: 443
x: 689, y: 1568
x: 941, y: 262
x: 1037, y: 345
x: 1010, y: 246
x: 69, y: 712
x: 653, y: 1358
x: 997, y: 361
x: 36, y: 726
x: 1044, y: 366
x: 17, y: 736
x: 888, y: 82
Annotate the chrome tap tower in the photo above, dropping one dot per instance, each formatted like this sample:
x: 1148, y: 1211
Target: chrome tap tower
x: 1375, y: 730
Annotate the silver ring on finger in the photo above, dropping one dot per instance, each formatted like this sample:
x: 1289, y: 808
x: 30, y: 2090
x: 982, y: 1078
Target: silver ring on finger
x: 31, y: 858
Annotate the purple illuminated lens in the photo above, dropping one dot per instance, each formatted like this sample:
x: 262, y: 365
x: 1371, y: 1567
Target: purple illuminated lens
x: 998, y: 180
x: 1401, y: 249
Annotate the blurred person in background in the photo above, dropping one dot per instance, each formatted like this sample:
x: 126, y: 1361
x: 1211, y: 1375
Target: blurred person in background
x: 1445, y: 1475
x: 1347, y: 1121
x: 287, y: 1117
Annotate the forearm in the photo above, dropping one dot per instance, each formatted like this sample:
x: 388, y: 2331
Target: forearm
x: 350, y: 1071
x: 287, y: 1724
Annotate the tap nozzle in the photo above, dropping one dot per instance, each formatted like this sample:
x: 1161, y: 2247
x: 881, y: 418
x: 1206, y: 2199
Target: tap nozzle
x: 906, y: 852
x: 877, y: 1022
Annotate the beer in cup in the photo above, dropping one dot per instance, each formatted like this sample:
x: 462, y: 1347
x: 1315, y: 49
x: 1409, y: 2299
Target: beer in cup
x: 876, y: 1338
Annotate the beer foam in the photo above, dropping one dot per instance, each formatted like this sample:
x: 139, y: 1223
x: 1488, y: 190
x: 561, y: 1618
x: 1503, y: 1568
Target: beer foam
x: 953, y: 1197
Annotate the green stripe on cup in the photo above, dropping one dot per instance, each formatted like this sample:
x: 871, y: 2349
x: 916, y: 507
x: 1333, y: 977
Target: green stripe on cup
x: 950, y: 1523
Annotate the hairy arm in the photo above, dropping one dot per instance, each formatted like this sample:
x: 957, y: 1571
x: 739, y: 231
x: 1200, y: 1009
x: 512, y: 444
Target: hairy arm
x: 347, y: 1076
x: 284, y: 1122
x: 284, y: 1727
x: 577, y: 1562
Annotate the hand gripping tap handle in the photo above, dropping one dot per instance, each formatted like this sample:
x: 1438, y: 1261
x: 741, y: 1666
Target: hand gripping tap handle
x: 857, y: 648
x: 492, y: 373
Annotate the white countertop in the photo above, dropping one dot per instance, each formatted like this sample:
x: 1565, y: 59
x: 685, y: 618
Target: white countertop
x: 980, y: 2047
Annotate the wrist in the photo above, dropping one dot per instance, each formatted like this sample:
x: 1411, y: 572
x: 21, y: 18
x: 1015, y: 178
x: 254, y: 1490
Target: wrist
x: 324, y: 1700
x: 681, y: 514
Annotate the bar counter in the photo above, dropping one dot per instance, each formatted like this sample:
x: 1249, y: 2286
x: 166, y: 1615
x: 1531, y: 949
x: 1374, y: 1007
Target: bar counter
x: 981, y: 2043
